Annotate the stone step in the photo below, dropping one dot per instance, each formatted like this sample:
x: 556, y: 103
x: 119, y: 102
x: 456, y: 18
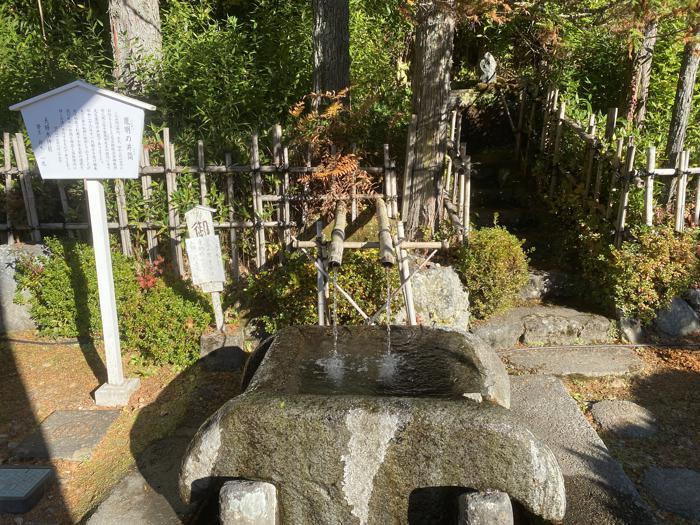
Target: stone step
x: 544, y: 325
x: 598, y: 492
x: 579, y: 361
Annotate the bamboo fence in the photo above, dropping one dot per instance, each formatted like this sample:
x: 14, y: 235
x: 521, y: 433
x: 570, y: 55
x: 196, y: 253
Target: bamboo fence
x: 607, y: 169
x: 270, y: 202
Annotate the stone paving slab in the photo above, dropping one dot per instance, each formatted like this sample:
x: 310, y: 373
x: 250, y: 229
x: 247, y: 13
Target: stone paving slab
x: 67, y: 434
x: 21, y: 487
x: 624, y: 418
x: 598, y: 492
x: 676, y: 490
x: 583, y: 361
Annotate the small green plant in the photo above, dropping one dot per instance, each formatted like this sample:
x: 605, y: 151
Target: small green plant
x: 161, y: 322
x: 493, y: 267
x: 646, y: 272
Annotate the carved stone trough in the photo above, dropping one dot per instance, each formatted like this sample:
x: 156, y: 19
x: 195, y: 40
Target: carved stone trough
x: 362, y: 435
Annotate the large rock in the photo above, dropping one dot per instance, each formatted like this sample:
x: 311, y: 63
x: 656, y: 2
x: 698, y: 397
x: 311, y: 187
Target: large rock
x: 544, y: 325
x: 678, y: 320
x: 544, y: 284
x: 676, y: 490
x: 598, y: 491
x: 14, y: 317
x: 440, y: 299
x: 624, y: 418
x: 358, y: 435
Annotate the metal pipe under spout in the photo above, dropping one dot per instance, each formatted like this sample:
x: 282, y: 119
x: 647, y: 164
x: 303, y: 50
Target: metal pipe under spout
x: 386, y: 245
x: 335, y: 251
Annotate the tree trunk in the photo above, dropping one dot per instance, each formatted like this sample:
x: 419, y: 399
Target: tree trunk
x: 639, y: 75
x: 331, y: 45
x: 684, y: 96
x: 645, y: 56
x: 136, y: 40
x: 431, y: 92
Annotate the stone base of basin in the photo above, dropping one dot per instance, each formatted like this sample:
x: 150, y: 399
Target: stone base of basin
x: 369, y: 453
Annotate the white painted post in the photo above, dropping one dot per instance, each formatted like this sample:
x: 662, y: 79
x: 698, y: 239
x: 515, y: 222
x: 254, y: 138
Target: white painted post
x: 649, y: 187
x: 105, y: 281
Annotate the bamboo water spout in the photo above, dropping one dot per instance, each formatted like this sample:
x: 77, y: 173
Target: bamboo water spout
x: 386, y: 245
x: 335, y: 251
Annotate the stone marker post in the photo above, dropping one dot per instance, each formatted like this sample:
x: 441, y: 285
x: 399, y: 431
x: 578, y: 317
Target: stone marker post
x: 204, y: 254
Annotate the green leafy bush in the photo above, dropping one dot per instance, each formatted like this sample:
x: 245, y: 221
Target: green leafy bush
x: 493, y: 267
x: 162, y: 323
x: 646, y: 272
x: 286, y: 295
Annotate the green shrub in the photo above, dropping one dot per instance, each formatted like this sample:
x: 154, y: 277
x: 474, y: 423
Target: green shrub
x: 646, y: 272
x: 162, y: 323
x: 493, y: 267
x: 286, y: 295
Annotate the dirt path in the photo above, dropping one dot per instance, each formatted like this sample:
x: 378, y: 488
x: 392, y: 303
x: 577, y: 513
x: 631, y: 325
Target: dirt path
x: 670, y: 388
x: 37, y: 379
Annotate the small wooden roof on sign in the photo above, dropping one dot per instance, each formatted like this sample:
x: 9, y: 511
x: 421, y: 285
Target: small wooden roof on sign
x: 81, y: 84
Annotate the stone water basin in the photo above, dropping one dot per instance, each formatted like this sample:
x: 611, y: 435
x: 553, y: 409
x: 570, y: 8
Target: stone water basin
x: 360, y: 434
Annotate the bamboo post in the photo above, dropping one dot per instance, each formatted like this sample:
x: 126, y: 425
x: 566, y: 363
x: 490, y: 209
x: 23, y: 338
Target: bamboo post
x: 609, y: 132
x: 590, y: 154
x: 614, y: 176
x: 696, y: 212
x: 335, y: 252
x: 233, y: 237
x: 682, y: 178
x: 278, y: 161
x: 530, y: 131
x: 123, y: 218
x: 202, y: 173
x: 546, y: 108
x: 387, y: 181
x: 408, y: 168
x: 147, y: 192
x: 404, y: 273
x: 386, y: 246
x: 557, y: 147
x: 8, y: 184
x: 394, y: 191
x: 521, y: 122
x: 320, y: 281
x: 285, y: 193
x: 26, y: 186
x: 624, y: 196
x: 65, y: 208
x: 256, y: 180
x: 649, y: 188
x: 173, y: 215
x: 448, y: 175
x: 467, y: 197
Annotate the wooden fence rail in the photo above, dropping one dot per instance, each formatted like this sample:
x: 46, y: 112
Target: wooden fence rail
x: 265, y: 199
x: 617, y: 161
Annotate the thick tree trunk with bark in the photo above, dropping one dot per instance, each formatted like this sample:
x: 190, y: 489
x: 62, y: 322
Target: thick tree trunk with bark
x: 331, y: 45
x: 431, y: 92
x: 136, y: 40
x: 645, y: 57
x: 684, y: 97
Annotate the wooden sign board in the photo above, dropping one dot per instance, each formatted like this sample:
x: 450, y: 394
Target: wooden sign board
x: 79, y: 131
x: 206, y: 264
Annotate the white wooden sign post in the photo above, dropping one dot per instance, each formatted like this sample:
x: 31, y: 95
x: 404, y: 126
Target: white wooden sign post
x: 204, y: 254
x: 79, y: 131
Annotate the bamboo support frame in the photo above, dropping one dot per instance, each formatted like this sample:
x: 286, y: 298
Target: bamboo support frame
x: 335, y: 250
x: 386, y: 245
